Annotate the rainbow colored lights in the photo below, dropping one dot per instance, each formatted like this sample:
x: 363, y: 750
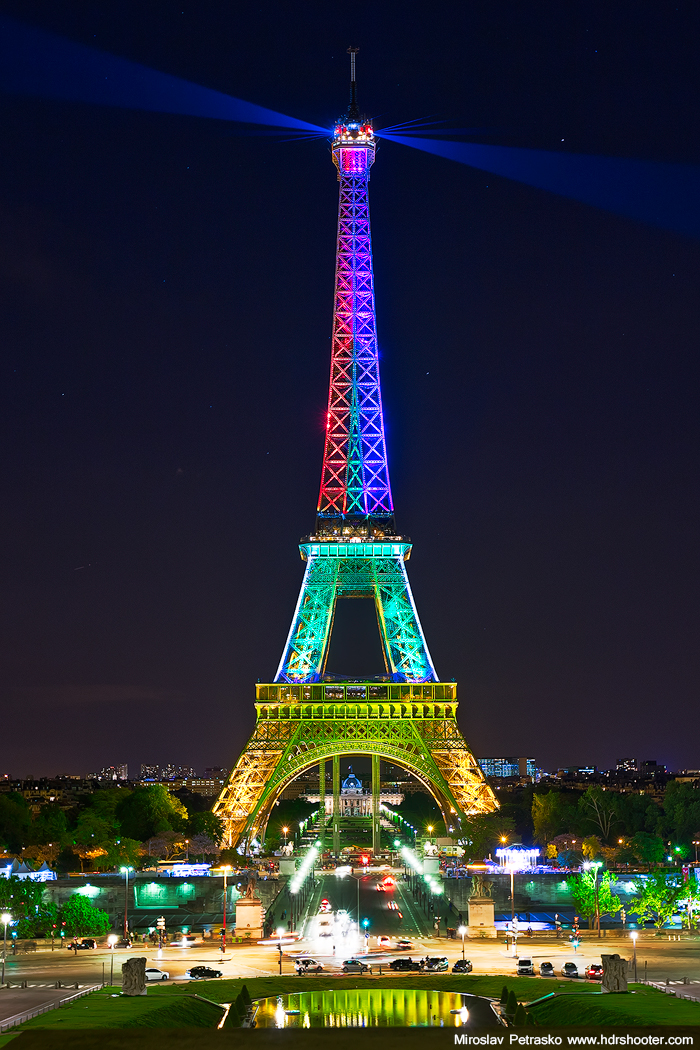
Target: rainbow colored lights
x: 355, y: 475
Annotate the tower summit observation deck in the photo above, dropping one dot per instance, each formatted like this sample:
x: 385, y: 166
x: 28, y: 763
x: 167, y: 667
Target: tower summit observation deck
x: 354, y: 552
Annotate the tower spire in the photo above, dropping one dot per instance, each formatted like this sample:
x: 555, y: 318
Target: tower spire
x: 353, y: 110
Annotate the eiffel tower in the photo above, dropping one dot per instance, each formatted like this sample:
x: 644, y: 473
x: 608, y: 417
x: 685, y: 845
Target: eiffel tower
x: 306, y: 717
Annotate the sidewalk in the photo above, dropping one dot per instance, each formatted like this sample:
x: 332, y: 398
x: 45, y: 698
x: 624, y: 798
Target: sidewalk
x: 19, y: 1004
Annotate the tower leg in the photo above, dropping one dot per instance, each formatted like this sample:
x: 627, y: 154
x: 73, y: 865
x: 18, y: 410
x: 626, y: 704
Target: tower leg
x: 336, y: 804
x: 376, y: 815
x: 322, y: 799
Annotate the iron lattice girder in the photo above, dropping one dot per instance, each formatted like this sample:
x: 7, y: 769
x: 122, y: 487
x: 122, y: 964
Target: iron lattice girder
x: 423, y: 737
x: 356, y: 570
x: 355, y: 475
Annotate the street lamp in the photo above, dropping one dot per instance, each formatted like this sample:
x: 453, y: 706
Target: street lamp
x: 634, y: 936
x: 126, y: 901
x: 461, y: 931
x: 285, y: 832
x: 696, y: 843
x: 226, y: 870
x: 4, y: 918
x: 280, y: 931
x: 111, y: 941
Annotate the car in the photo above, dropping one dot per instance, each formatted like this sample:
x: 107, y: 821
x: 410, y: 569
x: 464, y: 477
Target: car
x: 123, y: 943
x: 594, y: 972
x: 355, y: 966
x: 403, y: 945
x: 435, y: 963
x: 383, y: 942
x: 546, y: 969
x: 203, y: 973
x: 525, y: 967
x: 86, y: 943
x: 154, y: 974
x: 405, y: 965
x: 569, y: 969
x: 462, y: 966
x: 308, y: 966
x: 325, y: 905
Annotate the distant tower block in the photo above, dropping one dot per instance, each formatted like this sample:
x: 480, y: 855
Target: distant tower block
x: 305, y: 717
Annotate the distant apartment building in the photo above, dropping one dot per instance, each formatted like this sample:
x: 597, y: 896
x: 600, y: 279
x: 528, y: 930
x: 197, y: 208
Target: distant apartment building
x: 626, y: 765
x: 120, y: 772
x: 167, y: 772
x: 508, y: 767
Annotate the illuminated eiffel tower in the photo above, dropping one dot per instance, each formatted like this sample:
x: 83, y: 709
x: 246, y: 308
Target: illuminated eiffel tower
x: 304, y: 718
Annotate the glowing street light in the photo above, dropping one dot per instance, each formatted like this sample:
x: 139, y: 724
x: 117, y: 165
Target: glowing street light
x: 285, y: 832
x: 461, y: 931
x: 226, y: 869
x: 4, y: 918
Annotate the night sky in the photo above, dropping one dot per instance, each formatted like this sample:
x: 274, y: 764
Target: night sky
x: 165, y: 331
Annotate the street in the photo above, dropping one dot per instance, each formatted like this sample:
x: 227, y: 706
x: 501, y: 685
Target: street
x: 666, y: 959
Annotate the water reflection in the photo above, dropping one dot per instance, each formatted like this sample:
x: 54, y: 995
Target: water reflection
x: 375, y: 1007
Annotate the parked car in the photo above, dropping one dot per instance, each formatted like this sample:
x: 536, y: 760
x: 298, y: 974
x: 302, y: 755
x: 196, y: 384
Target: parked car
x: 86, y: 943
x: 525, y: 967
x: 403, y: 945
x: 435, y: 963
x: 123, y: 943
x: 569, y: 969
x: 355, y: 966
x: 462, y: 966
x: 154, y: 974
x: 594, y: 972
x: 546, y: 969
x: 201, y: 973
x: 307, y: 966
x: 404, y: 965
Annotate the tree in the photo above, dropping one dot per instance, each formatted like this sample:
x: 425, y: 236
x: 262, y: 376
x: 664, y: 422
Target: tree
x: 551, y: 814
x: 591, y: 847
x: 657, y: 897
x: 80, y: 918
x: 583, y: 890
x: 648, y: 848
x: 483, y: 833
x: 15, y: 822
x: 149, y: 811
x: 206, y: 824
x: 599, y: 807
x: 49, y: 826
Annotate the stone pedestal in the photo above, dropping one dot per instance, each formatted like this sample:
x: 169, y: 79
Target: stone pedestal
x: 480, y: 922
x: 249, y: 918
x: 134, y: 977
x: 614, y: 973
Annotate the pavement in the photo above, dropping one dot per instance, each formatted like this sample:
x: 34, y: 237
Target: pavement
x: 17, y: 1004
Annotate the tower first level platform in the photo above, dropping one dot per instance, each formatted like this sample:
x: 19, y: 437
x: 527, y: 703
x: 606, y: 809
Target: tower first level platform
x: 299, y: 726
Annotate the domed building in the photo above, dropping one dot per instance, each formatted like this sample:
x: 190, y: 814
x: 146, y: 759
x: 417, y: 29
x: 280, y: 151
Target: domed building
x: 355, y: 800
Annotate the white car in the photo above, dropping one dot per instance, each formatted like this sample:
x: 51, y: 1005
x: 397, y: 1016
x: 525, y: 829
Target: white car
x: 154, y: 974
x: 383, y: 942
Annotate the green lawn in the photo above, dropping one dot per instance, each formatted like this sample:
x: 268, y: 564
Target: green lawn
x: 641, y: 1006
x: 173, y: 1006
x: 108, y: 1009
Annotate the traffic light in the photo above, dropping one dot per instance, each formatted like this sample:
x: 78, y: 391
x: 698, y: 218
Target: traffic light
x: 365, y: 923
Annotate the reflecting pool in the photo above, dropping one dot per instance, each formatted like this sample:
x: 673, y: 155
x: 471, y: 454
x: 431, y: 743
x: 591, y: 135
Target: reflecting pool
x: 375, y: 1007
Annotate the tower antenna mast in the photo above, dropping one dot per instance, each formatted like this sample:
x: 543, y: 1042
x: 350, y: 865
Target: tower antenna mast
x: 353, y: 110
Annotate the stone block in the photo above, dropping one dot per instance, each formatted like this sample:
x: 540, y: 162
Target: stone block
x: 614, y: 973
x: 134, y: 977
